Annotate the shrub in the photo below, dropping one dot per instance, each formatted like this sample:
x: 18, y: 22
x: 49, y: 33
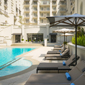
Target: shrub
x: 80, y: 40
x: 73, y: 40
x: 26, y: 40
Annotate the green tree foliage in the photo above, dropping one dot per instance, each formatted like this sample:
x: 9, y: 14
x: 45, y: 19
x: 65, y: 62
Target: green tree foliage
x: 80, y: 37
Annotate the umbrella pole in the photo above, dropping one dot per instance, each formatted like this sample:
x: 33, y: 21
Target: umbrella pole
x: 76, y: 40
x: 64, y: 40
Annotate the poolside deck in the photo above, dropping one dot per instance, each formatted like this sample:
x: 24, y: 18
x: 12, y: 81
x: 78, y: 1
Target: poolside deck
x: 36, y: 56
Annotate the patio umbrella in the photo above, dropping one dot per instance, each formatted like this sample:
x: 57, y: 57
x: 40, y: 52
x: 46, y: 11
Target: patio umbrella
x: 74, y: 20
x: 64, y: 30
x: 67, y: 34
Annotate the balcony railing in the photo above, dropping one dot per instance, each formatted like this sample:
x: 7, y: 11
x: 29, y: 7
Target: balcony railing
x: 26, y: 17
x: 44, y: 16
x: 1, y: 11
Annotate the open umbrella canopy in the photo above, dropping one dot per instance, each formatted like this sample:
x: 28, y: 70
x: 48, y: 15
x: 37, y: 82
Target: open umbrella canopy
x: 74, y: 20
x: 64, y: 30
x: 67, y: 34
x: 67, y: 20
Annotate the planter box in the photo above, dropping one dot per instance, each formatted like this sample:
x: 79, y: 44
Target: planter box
x: 80, y: 50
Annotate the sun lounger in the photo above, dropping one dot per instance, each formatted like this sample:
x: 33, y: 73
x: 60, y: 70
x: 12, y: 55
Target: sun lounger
x: 57, y: 66
x: 55, y: 78
x: 58, y: 46
x: 78, y: 81
x: 55, y: 51
x: 64, y: 55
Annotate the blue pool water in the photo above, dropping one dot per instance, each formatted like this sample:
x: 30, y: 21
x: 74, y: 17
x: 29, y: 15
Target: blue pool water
x: 8, y: 54
x: 15, y: 67
x: 10, y: 63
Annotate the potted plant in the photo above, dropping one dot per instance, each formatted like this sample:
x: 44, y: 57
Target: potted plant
x: 29, y: 40
x: 26, y: 40
x: 47, y: 40
x: 22, y: 40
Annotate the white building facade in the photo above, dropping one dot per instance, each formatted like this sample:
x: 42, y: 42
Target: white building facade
x: 26, y: 19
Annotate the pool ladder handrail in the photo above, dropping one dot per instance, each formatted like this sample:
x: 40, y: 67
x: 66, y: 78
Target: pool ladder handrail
x: 9, y: 63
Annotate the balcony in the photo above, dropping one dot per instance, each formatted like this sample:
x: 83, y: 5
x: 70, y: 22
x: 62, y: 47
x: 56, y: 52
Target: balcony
x: 44, y: 4
x: 54, y: 5
x: 34, y: 17
x: 34, y: 4
x: 26, y: 11
x: 54, y: 10
x: 5, y: 5
x: 72, y: 0
x: 26, y: 4
x: 45, y: 10
x: 26, y: 17
x: 63, y: 10
x: 44, y: 16
x: 34, y: 11
x: 62, y: 4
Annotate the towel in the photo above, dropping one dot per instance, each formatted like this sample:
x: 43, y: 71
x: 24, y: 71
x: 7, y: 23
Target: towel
x: 64, y: 64
x: 68, y: 76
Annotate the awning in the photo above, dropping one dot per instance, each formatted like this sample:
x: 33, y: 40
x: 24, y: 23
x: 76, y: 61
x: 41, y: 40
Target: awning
x: 53, y: 34
x: 17, y: 34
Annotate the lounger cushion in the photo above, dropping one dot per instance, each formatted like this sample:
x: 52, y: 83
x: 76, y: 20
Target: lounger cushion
x: 72, y: 84
x: 68, y: 76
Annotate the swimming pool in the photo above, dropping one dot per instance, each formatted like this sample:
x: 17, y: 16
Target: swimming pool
x: 10, y: 63
x: 8, y: 54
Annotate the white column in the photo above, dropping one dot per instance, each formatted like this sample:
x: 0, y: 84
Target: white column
x: 83, y: 7
x: 22, y: 31
x: 76, y: 6
x: 30, y: 11
x: 38, y: 14
x: 50, y: 7
x: 45, y: 42
x: 68, y: 7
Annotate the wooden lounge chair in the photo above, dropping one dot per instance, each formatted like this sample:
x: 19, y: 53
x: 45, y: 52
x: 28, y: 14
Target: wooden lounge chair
x: 56, y: 78
x: 57, y: 66
x: 64, y: 55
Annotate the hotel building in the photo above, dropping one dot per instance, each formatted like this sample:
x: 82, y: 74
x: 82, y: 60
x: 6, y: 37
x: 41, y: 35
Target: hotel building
x: 26, y: 19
